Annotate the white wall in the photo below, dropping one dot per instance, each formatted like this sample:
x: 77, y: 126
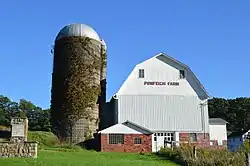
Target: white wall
x: 163, y: 113
x: 218, y: 132
x: 163, y: 108
x: 157, y: 70
x: 119, y: 129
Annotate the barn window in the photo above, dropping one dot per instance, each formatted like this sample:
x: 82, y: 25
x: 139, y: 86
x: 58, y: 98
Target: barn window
x: 141, y: 73
x: 116, y: 138
x: 182, y: 74
x: 137, y: 141
x: 193, y: 137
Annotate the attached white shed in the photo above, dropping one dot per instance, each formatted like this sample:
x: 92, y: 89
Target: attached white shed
x: 218, y: 131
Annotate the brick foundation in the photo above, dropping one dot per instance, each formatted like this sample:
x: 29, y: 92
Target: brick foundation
x: 202, y: 139
x: 128, y: 146
x: 215, y: 144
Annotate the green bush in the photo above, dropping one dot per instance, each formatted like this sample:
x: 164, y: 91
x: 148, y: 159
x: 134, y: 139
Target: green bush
x: 246, y: 146
x: 204, y: 157
x: 44, y: 139
x: 47, y: 140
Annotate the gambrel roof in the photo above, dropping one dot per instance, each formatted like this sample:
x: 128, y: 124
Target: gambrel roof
x: 164, y: 57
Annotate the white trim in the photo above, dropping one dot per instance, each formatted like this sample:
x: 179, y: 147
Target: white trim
x: 119, y: 129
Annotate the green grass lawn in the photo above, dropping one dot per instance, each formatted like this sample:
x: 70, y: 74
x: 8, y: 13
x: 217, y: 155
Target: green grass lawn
x: 52, y: 153
x: 75, y: 158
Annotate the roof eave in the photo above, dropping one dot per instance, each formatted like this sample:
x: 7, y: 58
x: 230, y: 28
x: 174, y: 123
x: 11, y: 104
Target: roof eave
x: 141, y: 127
x: 188, y: 68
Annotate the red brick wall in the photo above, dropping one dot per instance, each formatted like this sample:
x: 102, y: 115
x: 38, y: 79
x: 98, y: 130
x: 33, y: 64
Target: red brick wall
x: 203, y: 140
x: 215, y: 144
x: 128, y: 146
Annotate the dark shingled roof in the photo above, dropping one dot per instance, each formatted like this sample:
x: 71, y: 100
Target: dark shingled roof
x: 217, y: 121
x: 237, y: 133
x: 129, y: 124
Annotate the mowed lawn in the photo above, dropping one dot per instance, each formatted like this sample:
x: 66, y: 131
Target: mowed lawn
x: 81, y: 158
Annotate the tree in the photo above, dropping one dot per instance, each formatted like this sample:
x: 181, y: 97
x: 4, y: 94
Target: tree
x: 235, y: 111
x: 44, y: 120
x: 8, y: 109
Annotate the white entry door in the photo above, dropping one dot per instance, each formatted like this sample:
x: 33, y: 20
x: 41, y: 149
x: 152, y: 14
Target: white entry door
x: 159, y: 139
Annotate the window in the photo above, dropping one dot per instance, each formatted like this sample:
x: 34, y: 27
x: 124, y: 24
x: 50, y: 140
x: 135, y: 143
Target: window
x: 137, y: 141
x: 141, y: 73
x: 169, y: 137
x: 193, y: 137
x: 182, y: 74
x: 116, y: 138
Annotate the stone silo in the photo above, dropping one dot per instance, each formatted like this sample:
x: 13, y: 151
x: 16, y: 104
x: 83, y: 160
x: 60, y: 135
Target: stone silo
x: 79, y: 69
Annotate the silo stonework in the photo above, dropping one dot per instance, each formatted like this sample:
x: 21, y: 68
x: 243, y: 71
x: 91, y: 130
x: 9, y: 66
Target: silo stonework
x: 103, y: 82
x: 76, y: 86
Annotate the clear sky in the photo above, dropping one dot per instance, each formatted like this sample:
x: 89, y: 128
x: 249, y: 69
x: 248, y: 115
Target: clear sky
x: 211, y: 37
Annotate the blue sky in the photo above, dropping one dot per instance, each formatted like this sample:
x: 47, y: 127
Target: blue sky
x: 212, y: 37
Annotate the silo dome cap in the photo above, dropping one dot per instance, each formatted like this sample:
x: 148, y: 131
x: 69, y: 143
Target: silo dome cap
x: 78, y: 30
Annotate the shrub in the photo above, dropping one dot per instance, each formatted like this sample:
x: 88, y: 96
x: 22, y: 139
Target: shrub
x: 246, y: 146
x: 47, y: 140
x: 204, y: 157
x: 44, y: 139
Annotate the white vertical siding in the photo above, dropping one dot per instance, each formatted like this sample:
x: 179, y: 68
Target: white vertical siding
x: 163, y: 113
x: 218, y: 132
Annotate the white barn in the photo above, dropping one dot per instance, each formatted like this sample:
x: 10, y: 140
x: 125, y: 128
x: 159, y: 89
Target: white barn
x: 164, y: 96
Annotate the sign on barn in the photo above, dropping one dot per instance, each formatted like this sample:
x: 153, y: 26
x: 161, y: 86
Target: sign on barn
x: 161, y: 83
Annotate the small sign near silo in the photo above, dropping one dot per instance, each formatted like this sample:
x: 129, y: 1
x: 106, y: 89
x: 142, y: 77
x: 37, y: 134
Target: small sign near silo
x: 19, y: 128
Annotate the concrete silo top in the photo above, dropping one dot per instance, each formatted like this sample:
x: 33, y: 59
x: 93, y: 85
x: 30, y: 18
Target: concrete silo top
x: 78, y: 30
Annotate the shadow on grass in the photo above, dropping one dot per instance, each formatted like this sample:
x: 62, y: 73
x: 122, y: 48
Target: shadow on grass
x: 174, y: 158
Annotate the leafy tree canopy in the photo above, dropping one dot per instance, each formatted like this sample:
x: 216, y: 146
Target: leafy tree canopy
x: 38, y: 119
